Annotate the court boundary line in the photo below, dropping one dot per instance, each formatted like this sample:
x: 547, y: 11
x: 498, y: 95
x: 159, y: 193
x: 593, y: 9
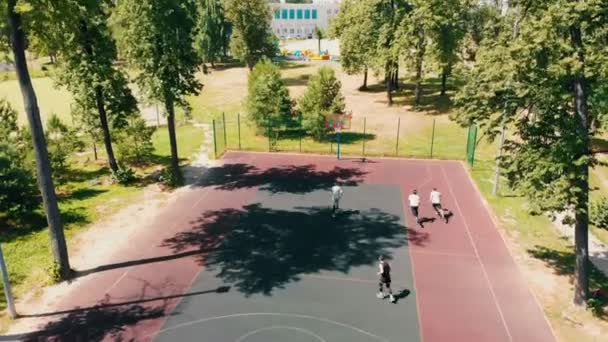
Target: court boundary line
x: 478, y: 257
x: 497, y: 226
x: 413, y: 270
x: 277, y: 327
x: 279, y: 314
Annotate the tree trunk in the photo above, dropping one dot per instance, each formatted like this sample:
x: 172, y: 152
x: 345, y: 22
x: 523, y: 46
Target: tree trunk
x: 421, y: 49
x: 364, y: 86
x: 103, y: 119
x: 170, y: 107
x: 43, y: 167
x: 396, y: 77
x: 389, y: 88
x: 319, y: 46
x: 87, y: 45
x: 95, y: 149
x: 581, y: 226
x: 444, y: 79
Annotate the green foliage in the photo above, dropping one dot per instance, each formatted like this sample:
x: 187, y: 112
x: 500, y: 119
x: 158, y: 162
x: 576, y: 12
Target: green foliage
x: 529, y: 77
x: 213, y: 30
x: 62, y: 141
x: 124, y: 175
x: 596, y: 306
x: 599, y: 213
x: 252, y: 37
x: 18, y: 192
x: 169, y: 179
x: 268, y: 102
x: 323, y: 96
x: 354, y: 26
x: 135, y: 143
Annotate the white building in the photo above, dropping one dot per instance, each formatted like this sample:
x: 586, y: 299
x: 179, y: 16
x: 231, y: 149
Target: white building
x: 300, y: 20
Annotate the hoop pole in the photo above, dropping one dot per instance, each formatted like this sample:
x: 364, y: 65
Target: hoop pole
x: 301, y: 132
x: 338, y: 138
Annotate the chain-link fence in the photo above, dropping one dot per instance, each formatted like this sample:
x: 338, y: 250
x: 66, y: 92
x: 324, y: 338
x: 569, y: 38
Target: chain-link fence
x: 430, y: 138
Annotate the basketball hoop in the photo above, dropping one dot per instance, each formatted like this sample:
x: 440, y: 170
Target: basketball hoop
x: 338, y: 122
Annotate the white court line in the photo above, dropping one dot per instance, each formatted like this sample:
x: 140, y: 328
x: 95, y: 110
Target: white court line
x: 283, y: 327
x: 497, y: 224
x: 483, y: 268
x: 455, y: 255
x: 271, y: 314
x: 202, y: 196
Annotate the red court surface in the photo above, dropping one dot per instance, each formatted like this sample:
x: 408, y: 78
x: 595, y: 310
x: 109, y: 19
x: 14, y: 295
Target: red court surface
x: 467, y: 285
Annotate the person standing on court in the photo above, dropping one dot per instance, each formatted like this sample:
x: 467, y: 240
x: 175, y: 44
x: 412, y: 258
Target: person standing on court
x: 414, y: 204
x: 436, y: 202
x: 384, y: 271
x: 336, y: 195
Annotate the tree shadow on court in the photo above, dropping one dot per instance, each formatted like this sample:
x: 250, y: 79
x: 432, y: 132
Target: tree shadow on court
x: 258, y: 249
x: 289, y: 178
x: 95, y: 324
x: 107, y: 319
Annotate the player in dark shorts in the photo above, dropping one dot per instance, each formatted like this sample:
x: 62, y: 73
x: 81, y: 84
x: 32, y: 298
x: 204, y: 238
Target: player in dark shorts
x: 384, y: 271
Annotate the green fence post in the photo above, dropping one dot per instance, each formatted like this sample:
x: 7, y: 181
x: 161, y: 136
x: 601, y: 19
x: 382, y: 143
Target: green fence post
x: 225, y: 136
x: 364, y: 136
x: 238, y: 121
x: 301, y: 132
x: 432, y: 138
x: 214, y: 140
x: 268, y: 132
x: 398, y: 127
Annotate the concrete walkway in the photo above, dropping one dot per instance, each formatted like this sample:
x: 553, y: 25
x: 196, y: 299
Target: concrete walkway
x: 598, y: 251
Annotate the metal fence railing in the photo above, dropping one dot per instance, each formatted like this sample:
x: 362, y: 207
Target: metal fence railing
x: 431, y: 139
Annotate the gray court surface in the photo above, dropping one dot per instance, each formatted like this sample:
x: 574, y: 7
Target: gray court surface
x: 287, y: 270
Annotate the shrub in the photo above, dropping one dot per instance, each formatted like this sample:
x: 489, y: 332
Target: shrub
x: 169, y: 179
x: 62, y: 141
x: 124, y: 175
x: 323, y: 95
x: 134, y: 143
x: 18, y: 191
x: 268, y: 101
x: 599, y: 213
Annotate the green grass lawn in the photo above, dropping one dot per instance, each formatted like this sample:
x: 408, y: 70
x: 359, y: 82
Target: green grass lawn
x: 51, y: 99
x: 26, y: 245
x: 599, y: 189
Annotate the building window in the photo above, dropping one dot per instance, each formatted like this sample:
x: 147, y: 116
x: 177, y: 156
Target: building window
x: 328, y: 12
x: 291, y: 31
x: 314, y: 14
x: 284, y: 31
x: 292, y: 14
x: 284, y: 14
x: 307, y: 14
x: 336, y: 11
x: 277, y: 14
x: 299, y: 14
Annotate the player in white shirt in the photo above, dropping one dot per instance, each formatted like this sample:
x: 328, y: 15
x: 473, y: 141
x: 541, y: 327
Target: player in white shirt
x: 436, y: 202
x: 414, y: 204
x: 336, y: 195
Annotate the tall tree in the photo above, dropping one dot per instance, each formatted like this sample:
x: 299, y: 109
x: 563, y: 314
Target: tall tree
x: 252, y: 37
x: 320, y: 35
x: 156, y: 37
x: 212, y: 30
x: 553, y: 78
x: 43, y: 168
x: 355, y: 28
x: 87, y: 64
x: 448, y: 29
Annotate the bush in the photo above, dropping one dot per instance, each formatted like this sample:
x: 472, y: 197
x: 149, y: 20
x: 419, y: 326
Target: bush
x: 62, y: 141
x: 268, y: 102
x: 18, y: 191
x: 169, y: 179
x: 134, y: 143
x: 124, y: 175
x: 599, y: 213
x: 323, y: 96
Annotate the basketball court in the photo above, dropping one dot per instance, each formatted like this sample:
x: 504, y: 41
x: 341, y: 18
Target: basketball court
x: 252, y: 253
